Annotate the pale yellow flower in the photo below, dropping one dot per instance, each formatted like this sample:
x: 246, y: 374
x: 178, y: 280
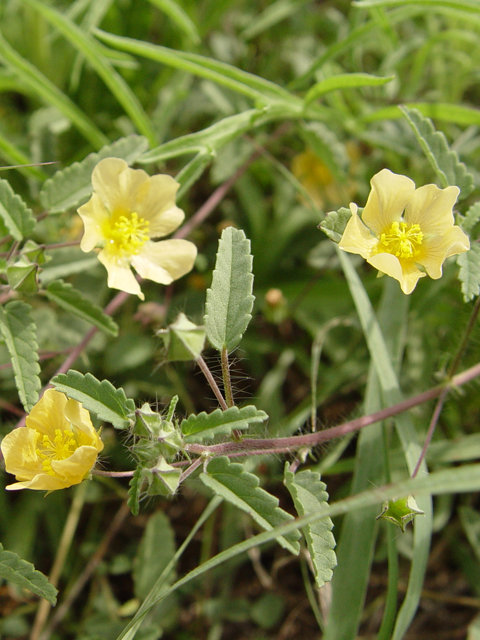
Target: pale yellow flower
x: 405, y: 232
x: 57, y: 448
x: 127, y: 209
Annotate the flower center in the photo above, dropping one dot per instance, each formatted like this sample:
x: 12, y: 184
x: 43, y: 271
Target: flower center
x: 60, y: 447
x: 402, y: 240
x: 126, y: 234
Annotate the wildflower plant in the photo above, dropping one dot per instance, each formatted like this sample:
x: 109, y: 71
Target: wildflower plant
x: 145, y: 411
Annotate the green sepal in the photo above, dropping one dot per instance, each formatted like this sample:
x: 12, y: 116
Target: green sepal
x: 22, y: 275
x: 400, y: 512
x: 335, y: 222
x: 163, y: 479
x: 158, y: 437
x: 183, y: 340
x: 35, y: 252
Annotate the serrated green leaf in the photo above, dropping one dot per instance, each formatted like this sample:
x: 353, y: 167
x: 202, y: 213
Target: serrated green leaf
x: 471, y: 217
x: 101, y: 398
x: 71, y: 300
x: 309, y: 495
x: 135, y: 487
x: 469, y: 275
x: 230, y: 300
x: 230, y: 481
x: 345, y: 81
x: 72, y: 185
x: 24, y: 574
x: 444, y: 161
x: 15, y: 214
x: 199, y: 427
x: 22, y: 275
x: 18, y: 330
x: 335, y: 222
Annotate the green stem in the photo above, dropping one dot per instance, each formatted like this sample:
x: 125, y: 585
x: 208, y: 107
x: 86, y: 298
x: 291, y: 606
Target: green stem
x: 227, y: 383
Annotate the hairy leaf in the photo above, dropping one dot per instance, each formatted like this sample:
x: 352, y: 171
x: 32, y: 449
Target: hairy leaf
x: 70, y: 299
x: 18, y: 330
x: 230, y: 481
x: 309, y: 496
x: 335, y: 222
x: 135, y: 487
x: 471, y: 217
x: 469, y: 275
x: 230, y: 300
x: 101, y: 398
x: 73, y: 185
x: 435, y: 146
x: 15, y: 214
x: 207, y: 425
x: 24, y: 574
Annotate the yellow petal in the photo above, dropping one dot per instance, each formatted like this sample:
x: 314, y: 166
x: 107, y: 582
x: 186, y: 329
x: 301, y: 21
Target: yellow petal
x: 20, y: 455
x: 431, y: 208
x: 75, y: 468
x: 356, y: 237
x: 438, y: 249
x: 157, y: 205
x: 41, y: 482
x: 387, y: 200
x: 118, y: 186
x: 406, y: 273
x: 166, y: 260
x: 94, y: 216
x: 48, y: 414
x: 120, y: 275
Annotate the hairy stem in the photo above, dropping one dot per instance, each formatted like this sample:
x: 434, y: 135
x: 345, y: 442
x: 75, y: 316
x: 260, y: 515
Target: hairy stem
x: 227, y: 383
x: 212, y: 382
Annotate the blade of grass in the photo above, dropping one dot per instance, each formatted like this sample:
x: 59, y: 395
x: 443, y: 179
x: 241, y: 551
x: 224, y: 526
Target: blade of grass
x: 235, y: 79
x: 407, y: 435
x: 41, y: 87
x: 88, y: 47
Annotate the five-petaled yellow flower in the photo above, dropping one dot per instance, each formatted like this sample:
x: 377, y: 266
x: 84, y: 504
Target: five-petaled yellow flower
x: 57, y: 448
x: 127, y: 209
x: 405, y: 232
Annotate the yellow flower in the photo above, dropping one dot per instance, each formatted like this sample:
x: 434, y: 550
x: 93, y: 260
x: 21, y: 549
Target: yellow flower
x: 57, y: 448
x: 405, y: 232
x: 127, y: 209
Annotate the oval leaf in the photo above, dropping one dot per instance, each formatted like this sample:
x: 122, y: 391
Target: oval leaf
x: 18, y: 330
x: 196, y: 428
x: 71, y: 300
x: 24, y: 574
x: 101, y: 398
x: 230, y: 481
x: 15, y: 214
x: 309, y: 496
x: 230, y: 300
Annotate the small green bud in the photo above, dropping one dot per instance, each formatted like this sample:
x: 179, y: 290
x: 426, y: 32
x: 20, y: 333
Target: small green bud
x: 22, y: 275
x: 163, y: 479
x: 400, y: 512
x: 183, y: 340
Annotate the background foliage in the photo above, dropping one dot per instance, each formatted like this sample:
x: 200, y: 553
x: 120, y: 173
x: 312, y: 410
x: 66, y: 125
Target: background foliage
x: 283, y: 110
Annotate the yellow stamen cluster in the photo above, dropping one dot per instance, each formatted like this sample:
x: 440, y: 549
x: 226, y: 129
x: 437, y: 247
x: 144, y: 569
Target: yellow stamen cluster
x: 402, y: 240
x: 126, y: 234
x: 61, y: 447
